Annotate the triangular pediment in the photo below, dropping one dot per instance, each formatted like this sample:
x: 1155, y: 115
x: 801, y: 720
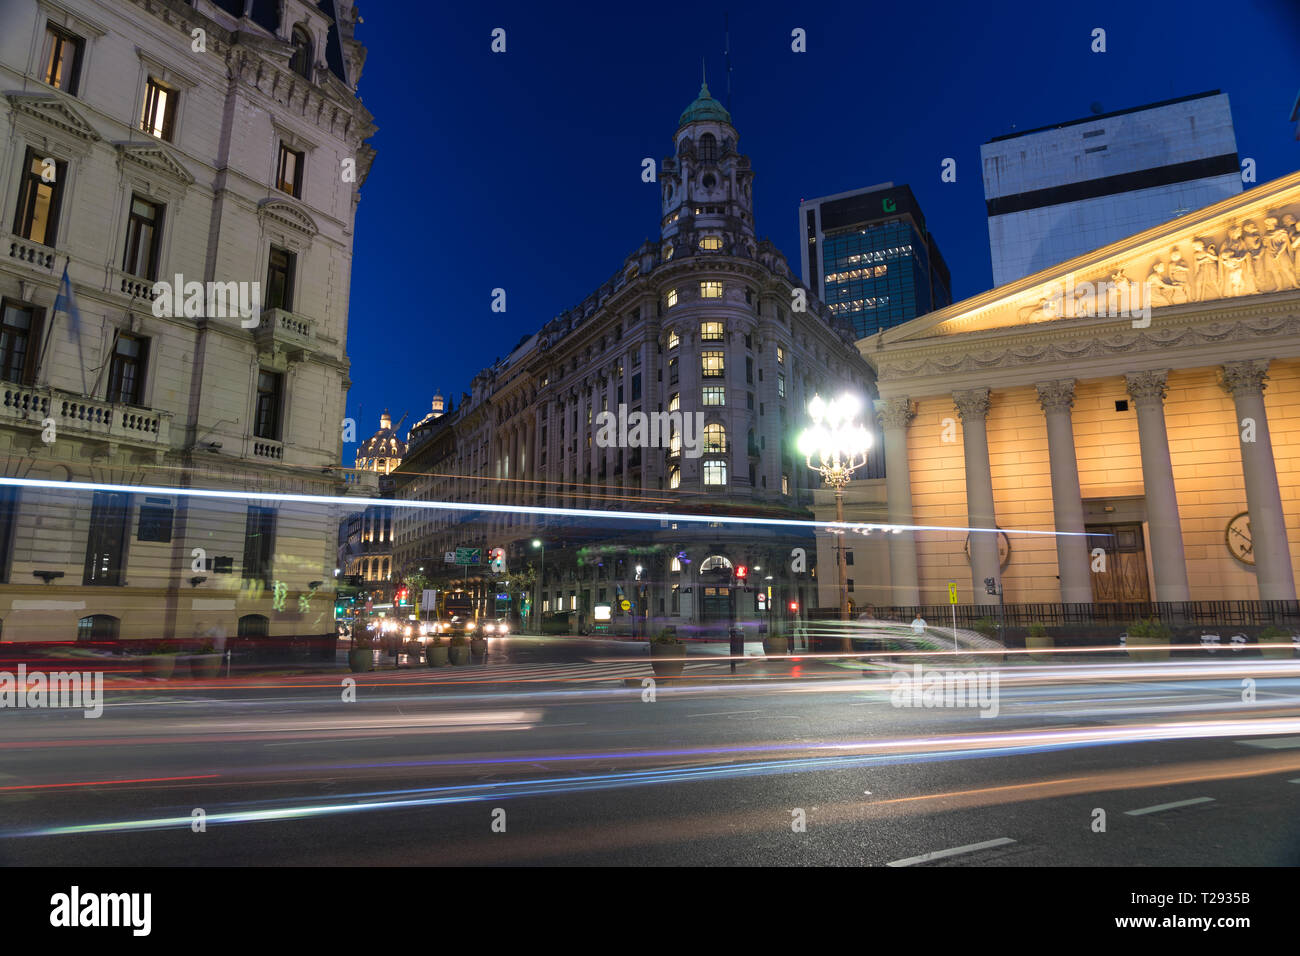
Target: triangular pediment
x: 156, y: 158
x: 55, y: 110
x: 1246, y: 245
x: 288, y: 214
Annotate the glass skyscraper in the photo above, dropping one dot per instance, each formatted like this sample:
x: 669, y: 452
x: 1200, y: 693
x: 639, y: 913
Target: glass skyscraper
x: 869, y: 257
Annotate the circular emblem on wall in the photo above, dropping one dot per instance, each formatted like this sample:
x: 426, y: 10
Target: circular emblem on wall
x: 1237, y: 537
x: 1004, y: 549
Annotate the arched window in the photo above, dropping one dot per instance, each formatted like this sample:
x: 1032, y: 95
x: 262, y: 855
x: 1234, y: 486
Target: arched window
x: 708, y: 148
x: 715, y: 562
x: 98, y: 627
x: 254, y: 625
x: 300, y: 62
x: 677, y: 564
x: 715, y: 439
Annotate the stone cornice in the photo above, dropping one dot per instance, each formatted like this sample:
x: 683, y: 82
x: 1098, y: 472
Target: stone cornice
x: 54, y: 110
x: 288, y: 214
x: 156, y: 158
x: 1268, y: 322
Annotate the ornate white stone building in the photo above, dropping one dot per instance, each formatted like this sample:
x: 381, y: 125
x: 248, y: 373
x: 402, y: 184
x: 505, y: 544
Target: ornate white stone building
x: 703, y: 321
x: 1126, y: 456
x: 157, y: 141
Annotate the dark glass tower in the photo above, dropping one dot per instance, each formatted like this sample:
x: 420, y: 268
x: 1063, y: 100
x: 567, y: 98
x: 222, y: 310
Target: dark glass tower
x: 868, y: 255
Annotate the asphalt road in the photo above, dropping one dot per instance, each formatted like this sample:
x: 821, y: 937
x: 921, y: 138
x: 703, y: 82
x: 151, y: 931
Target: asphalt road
x: 545, y: 755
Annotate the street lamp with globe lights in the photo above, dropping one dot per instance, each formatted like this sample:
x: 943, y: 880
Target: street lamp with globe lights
x: 538, y: 545
x: 835, y: 446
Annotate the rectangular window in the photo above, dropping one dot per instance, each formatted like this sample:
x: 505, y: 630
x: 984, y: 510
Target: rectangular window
x: 715, y: 473
x: 636, y: 387
x: 672, y: 298
x: 785, y: 484
x: 288, y: 172
x: 710, y: 331
x: 713, y: 364
x: 780, y: 355
x: 673, y: 340
x: 710, y: 290
x: 106, y: 544
x: 749, y: 370
x: 159, y: 114
x: 126, y: 370
x: 279, y: 280
x: 37, y: 215
x: 155, y: 520
x: 672, y: 371
x: 780, y: 384
x: 259, y: 544
x: 749, y: 400
x: 266, y: 421
x: 715, y: 395
x: 19, y: 336
x: 8, y: 518
x: 143, y: 230
x: 62, y: 59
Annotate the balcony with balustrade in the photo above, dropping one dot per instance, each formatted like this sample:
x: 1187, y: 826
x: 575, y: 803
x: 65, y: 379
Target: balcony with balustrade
x: 30, y: 407
x: 288, y: 332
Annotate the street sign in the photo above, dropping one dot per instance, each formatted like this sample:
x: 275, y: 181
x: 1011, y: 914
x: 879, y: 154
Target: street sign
x: 469, y: 556
x: 449, y: 557
x: 952, y: 592
x: 625, y: 604
x: 429, y: 601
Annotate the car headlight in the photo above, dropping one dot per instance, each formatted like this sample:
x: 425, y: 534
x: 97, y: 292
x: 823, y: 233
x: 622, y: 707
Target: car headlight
x: 489, y: 628
x: 502, y: 629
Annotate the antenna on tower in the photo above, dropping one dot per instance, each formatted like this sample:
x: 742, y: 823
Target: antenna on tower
x: 726, y: 54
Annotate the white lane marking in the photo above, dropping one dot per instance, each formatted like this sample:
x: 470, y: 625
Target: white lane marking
x: 940, y: 854
x: 1296, y: 780
x: 1169, y: 806
x: 313, y: 741
x: 1273, y: 743
x: 726, y: 713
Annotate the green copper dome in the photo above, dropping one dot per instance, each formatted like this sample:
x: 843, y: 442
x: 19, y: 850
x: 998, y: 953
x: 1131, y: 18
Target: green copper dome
x: 705, y: 107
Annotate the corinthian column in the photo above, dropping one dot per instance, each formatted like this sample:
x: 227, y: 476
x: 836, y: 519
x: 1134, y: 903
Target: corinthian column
x: 973, y: 406
x: 895, y: 415
x: 1057, y: 398
x: 1147, y: 389
x: 1273, y: 572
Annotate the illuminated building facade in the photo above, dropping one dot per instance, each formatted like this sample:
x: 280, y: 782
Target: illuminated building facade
x: 133, y: 154
x: 1154, y: 453
x: 701, y: 322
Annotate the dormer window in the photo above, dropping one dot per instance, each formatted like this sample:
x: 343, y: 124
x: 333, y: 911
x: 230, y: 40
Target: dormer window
x: 300, y: 62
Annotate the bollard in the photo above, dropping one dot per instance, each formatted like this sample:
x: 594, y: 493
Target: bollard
x: 737, y: 646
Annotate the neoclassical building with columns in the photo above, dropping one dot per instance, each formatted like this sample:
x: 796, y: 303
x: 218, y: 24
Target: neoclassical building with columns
x: 1152, y: 455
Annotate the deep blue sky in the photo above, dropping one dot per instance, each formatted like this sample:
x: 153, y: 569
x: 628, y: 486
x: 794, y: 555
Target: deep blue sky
x: 522, y: 170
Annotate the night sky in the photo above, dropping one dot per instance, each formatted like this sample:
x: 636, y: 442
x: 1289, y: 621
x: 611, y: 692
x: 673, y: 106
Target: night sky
x: 522, y: 170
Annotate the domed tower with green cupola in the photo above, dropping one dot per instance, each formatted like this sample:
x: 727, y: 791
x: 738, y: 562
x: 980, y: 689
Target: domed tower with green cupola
x: 707, y: 199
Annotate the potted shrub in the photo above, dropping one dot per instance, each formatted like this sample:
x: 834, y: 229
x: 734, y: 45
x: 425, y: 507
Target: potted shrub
x: 665, y: 647
x: 160, y: 662
x: 435, y: 653
x: 775, y: 645
x: 362, y: 655
x: 1148, y: 639
x: 986, y: 627
x: 459, y: 650
x: 1275, y: 635
x: 1038, y: 639
x: 206, y: 664
x: 478, y: 644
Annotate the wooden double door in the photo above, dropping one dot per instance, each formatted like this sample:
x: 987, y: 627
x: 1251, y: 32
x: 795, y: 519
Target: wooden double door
x: 1124, y: 574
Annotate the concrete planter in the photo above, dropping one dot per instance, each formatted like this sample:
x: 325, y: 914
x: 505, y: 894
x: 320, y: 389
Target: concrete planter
x: 159, y: 666
x: 459, y: 655
x: 205, y: 666
x: 435, y: 655
x: 1148, y: 648
x: 776, y: 646
x: 478, y: 646
x: 667, y: 668
x: 1040, y: 643
x: 361, y: 659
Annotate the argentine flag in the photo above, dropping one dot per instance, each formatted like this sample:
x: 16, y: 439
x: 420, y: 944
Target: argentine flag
x: 67, y: 302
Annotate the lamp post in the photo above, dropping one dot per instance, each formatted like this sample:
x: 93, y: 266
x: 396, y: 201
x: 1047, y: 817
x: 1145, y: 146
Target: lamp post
x: 539, y: 545
x: 834, y: 447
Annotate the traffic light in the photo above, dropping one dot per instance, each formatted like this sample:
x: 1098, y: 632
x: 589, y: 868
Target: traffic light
x: 742, y: 572
x: 403, y: 594
x: 497, y: 560
x: 794, y: 607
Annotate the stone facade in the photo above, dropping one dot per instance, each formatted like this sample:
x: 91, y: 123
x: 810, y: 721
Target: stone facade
x: 1169, y: 440
x: 183, y: 140
x: 704, y: 321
